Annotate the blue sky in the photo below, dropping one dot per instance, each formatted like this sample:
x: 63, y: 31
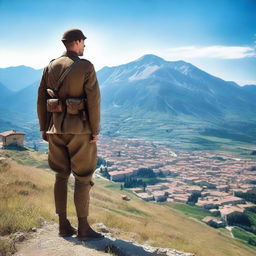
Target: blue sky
x: 218, y: 36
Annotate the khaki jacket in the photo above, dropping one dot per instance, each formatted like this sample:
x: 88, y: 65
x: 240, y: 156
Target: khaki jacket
x: 81, y: 82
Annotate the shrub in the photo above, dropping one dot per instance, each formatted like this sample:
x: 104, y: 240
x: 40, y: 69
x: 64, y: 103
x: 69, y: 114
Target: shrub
x: 238, y: 218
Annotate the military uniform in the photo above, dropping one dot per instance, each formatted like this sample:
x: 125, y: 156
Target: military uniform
x: 68, y: 135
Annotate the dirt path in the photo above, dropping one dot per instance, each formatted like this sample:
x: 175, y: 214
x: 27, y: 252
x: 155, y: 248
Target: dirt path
x: 46, y: 242
x: 229, y: 228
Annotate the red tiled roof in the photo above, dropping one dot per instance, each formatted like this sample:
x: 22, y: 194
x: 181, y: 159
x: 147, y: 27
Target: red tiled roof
x: 11, y: 132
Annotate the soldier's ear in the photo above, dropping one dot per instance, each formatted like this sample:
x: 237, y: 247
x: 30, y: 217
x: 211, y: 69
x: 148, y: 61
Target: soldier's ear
x: 76, y: 42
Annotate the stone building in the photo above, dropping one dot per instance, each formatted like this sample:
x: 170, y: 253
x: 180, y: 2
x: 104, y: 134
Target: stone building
x: 12, y: 138
x: 214, y: 222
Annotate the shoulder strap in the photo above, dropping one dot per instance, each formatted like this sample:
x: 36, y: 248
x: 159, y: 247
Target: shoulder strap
x: 63, y: 76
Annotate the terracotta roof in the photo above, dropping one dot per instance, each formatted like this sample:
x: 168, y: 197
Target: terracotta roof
x: 11, y: 132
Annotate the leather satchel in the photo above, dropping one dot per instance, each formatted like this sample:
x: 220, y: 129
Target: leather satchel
x: 54, y: 105
x: 74, y: 105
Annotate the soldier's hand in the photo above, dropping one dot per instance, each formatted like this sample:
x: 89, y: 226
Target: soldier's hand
x: 44, y: 136
x: 94, y: 139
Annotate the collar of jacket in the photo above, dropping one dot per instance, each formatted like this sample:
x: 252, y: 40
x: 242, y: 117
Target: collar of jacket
x: 70, y: 54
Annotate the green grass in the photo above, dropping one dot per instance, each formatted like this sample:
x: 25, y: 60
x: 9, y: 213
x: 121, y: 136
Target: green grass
x: 252, y: 218
x: 152, y: 181
x: 114, y: 186
x: 192, y: 211
x: 28, y: 157
x: 134, y: 210
x: 182, y: 133
x: 243, y: 235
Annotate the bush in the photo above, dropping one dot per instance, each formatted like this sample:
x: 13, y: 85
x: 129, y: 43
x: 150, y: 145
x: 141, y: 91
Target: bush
x: 238, y: 218
x: 252, y: 241
x: 251, y: 209
x: 194, y: 198
x: 146, y: 173
x: 130, y: 182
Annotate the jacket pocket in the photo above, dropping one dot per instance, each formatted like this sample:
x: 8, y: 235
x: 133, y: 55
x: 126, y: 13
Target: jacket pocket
x: 74, y: 105
x: 54, y: 105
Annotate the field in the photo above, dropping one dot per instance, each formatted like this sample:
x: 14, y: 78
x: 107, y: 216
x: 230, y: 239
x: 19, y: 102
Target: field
x: 26, y: 196
x: 181, y: 133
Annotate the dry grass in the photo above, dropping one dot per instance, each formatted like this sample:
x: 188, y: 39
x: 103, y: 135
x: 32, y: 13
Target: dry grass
x: 26, y: 194
x: 167, y: 227
x: 25, y: 197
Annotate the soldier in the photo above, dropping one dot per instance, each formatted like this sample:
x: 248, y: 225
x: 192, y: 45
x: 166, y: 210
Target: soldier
x: 68, y: 108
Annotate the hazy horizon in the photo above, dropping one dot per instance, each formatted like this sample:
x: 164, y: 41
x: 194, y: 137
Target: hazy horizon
x: 216, y: 36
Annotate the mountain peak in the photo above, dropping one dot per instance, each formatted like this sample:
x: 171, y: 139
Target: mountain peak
x: 150, y: 58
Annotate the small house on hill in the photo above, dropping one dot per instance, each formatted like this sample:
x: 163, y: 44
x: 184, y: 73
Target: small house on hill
x: 12, y: 138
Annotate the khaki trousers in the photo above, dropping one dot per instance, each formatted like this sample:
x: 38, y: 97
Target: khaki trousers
x: 72, y: 153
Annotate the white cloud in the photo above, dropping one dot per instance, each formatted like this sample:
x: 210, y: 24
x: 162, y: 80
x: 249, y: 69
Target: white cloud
x: 102, y: 53
x: 215, y: 51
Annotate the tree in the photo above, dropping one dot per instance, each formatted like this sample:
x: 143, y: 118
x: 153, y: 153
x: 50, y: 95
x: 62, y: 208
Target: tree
x: 252, y: 241
x: 130, y: 182
x: 160, y: 174
x: 146, y: 173
x: 104, y: 172
x: 144, y: 186
x: 238, y: 218
x: 101, y: 161
x: 248, y: 196
x: 194, y: 198
x: 251, y: 209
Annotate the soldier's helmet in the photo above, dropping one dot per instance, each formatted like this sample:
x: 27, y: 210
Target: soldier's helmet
x: 72, y: 35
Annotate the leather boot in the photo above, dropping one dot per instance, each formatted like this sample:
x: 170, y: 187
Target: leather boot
x: 65, y: 227
x: 85, y: 232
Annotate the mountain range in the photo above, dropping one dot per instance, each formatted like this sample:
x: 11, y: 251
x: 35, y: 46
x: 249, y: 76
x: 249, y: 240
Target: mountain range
x: 17, y: 78
x: 169, y: 101
x: 176, y: 88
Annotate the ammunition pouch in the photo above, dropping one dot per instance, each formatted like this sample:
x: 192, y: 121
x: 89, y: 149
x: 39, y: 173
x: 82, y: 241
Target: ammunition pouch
x: 54, y: 105
x: 75, y: 105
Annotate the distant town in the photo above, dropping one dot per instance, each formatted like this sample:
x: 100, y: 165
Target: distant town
x: 211, y: 177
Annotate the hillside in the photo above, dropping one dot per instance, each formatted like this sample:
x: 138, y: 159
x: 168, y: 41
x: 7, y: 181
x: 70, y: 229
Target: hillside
x: 158, y: 224
x: 19, y: 77
x: 5, y: 92
x: 175, y: 88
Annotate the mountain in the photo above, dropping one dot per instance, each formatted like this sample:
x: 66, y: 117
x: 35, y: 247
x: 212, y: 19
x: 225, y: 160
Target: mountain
x: 251, y: 89
x: 5, y: 92
x: 173, y: 87
x: 176, y: 103
x: 24, y: 100
x: 18, y: 112
x: 173, y: 102
x: 19, y: 77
